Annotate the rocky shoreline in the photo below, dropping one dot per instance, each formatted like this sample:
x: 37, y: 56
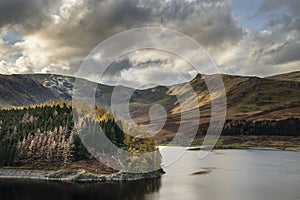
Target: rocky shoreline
x: 78, y: 176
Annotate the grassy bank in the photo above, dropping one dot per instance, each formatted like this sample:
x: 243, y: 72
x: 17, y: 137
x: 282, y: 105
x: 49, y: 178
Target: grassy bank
x: 255, y: 142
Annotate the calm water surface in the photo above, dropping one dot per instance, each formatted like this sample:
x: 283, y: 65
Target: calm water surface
x: 233, y: 175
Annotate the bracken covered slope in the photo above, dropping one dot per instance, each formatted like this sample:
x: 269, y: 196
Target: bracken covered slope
x: 249, y: 98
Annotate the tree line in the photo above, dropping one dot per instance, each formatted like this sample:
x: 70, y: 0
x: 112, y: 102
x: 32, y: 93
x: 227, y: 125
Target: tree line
x: 284, y: 127
x: 45, y: 135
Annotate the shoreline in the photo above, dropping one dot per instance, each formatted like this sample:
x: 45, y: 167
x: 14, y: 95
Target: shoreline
x: 283, y: 143
x: 257, y: 149
x: 78, y: 176
x: 198, y: 148
x: 83, y: 176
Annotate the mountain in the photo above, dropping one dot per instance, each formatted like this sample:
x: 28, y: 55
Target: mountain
x: 293, y: 76
x: 248, y: 98
x: 261, y: 98
x: 19, y: 90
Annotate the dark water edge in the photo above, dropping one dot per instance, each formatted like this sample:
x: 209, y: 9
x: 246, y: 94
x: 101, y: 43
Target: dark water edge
x: 76, y: 176
x: 44, y: 190
x: 222, y: 175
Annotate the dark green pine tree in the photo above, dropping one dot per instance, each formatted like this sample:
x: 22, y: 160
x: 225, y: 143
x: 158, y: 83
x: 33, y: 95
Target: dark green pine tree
x: 79, y: 151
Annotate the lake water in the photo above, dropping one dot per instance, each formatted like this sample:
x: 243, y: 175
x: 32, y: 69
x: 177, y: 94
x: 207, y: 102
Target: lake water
x: 232, y: 175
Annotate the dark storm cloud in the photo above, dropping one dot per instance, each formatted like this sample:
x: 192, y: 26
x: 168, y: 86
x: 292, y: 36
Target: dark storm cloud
x: 123, y: 64
x: 221, y: 28
x: 295, y: 25
x: 276, y: 48
x: 287, y: 53
x: 211, y: 26
x: 117, y: 67
x: 271, y: 5
x: 285, y: 13
x: 71, y: 29
x: 30, y: 14
x: 59, y: 34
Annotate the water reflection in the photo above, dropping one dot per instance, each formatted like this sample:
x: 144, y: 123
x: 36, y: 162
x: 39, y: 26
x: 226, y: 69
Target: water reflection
x: 233, y: 175
x: 37, y: 190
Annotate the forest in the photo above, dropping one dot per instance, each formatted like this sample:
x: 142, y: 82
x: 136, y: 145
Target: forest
x: 283, y: 127
x: 45, y: 136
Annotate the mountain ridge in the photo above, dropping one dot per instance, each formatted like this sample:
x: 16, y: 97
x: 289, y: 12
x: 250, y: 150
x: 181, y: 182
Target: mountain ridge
x: 248, y: 98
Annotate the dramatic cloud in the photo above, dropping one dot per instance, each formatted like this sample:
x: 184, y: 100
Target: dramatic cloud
x: 29, y: 14
x: 55, y: 36
x: 139, y: 69
x: 274, y: 50
x: 274, y: 5
x: 6, y: 49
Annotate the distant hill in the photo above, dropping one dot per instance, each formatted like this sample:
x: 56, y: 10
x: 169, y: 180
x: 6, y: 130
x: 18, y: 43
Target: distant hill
x: 19, y: 90
x: 248, y: 98
x: 293, y: 76
x: 260, y: 98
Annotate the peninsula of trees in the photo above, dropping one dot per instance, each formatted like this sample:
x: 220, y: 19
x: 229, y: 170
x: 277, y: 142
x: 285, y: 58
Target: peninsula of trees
x: 44, y: 137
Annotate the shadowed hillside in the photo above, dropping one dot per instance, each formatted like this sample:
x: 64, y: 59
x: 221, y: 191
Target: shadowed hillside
x: 248, y: 98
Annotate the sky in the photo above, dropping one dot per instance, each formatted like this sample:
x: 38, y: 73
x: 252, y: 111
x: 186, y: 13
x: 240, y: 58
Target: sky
x: 258, y: 37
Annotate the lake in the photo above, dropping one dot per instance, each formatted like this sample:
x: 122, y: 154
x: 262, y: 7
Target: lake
x: 224, y: 174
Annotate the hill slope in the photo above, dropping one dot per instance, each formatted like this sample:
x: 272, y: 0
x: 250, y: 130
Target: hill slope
x: 293, y: 76
x: 248, y: 98
x: 19, y: 90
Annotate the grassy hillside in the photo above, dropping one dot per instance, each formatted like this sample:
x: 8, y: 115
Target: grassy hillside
x: 293, y: 76
x: 248, y: 98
